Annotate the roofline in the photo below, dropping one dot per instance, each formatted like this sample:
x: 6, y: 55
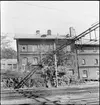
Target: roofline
x: 42, y: 38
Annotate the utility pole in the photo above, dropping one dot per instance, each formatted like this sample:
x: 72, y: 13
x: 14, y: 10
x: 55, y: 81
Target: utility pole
x: 55, y: 60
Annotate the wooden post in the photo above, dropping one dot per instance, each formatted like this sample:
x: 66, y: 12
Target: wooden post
x: 55, y: 57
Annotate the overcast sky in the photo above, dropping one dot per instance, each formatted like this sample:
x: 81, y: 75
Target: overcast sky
x: 28, y: 16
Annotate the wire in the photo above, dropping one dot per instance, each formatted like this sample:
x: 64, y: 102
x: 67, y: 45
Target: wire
x: 43, y: 7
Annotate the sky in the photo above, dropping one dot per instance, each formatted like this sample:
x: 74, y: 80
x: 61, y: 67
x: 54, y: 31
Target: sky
x: 28, y: 16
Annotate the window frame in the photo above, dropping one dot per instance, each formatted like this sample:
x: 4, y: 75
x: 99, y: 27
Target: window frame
x: 85, y: 73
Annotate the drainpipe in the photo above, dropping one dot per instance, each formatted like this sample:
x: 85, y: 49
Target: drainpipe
x: 55, y: 57
x: 77, y: 63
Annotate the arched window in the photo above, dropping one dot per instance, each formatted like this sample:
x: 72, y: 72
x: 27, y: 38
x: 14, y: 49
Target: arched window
x: 85, y: 73
x: 96, y: 61
x: 35, y: 60
x: 24, y: 61
x: 83, y: 62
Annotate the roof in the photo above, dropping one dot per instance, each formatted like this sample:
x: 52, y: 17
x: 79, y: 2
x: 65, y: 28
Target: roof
x: 42, y: 36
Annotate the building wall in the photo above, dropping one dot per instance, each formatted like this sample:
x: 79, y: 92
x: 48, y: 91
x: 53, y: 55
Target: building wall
x: 43, y: 45
x: 88, y: 60
x: 92, y: 72
x: 34, y: 49
x: 85, y: 57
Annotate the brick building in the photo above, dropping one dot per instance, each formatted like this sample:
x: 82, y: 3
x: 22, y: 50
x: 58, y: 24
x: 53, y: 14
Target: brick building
x: 31, y: 48
x: 83, y: 59
x: 88, y: 60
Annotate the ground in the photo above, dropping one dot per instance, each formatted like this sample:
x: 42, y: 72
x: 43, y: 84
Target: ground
x: 11, y: 97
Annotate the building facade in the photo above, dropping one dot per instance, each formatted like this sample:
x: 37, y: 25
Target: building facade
x: 88, y: 60
x: 82, y: 60
x: 32, y: 48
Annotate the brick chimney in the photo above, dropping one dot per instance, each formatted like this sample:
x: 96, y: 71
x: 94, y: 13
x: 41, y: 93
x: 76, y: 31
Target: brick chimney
x: 48, y: 32
x: 37, y: 32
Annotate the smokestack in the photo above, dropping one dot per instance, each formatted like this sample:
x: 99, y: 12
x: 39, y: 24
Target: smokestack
x: 48, y: 32
x: 37, y: 32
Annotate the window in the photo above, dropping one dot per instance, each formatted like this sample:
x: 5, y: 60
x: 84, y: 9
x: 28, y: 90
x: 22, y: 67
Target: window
x: 71, y: 71
x: 51, y: 47
x: 24, y: 48
x: 9, y: 66
x: 85, y: 74
x: 83, y: 62
x: 69, y: 48
x: 3, y: 66
x: 30, y: 48
x: 24, y: 61
x: 34, y: 48
x: 96, y: 61
x: 82, y: 50
x: 35, y: 60
x: 97, y: 72
x: 95, y: 49
x: 14, y: 66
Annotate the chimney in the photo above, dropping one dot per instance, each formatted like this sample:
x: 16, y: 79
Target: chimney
x: 37, y: 32
x: 48, y: 32
x: 72, y: 32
